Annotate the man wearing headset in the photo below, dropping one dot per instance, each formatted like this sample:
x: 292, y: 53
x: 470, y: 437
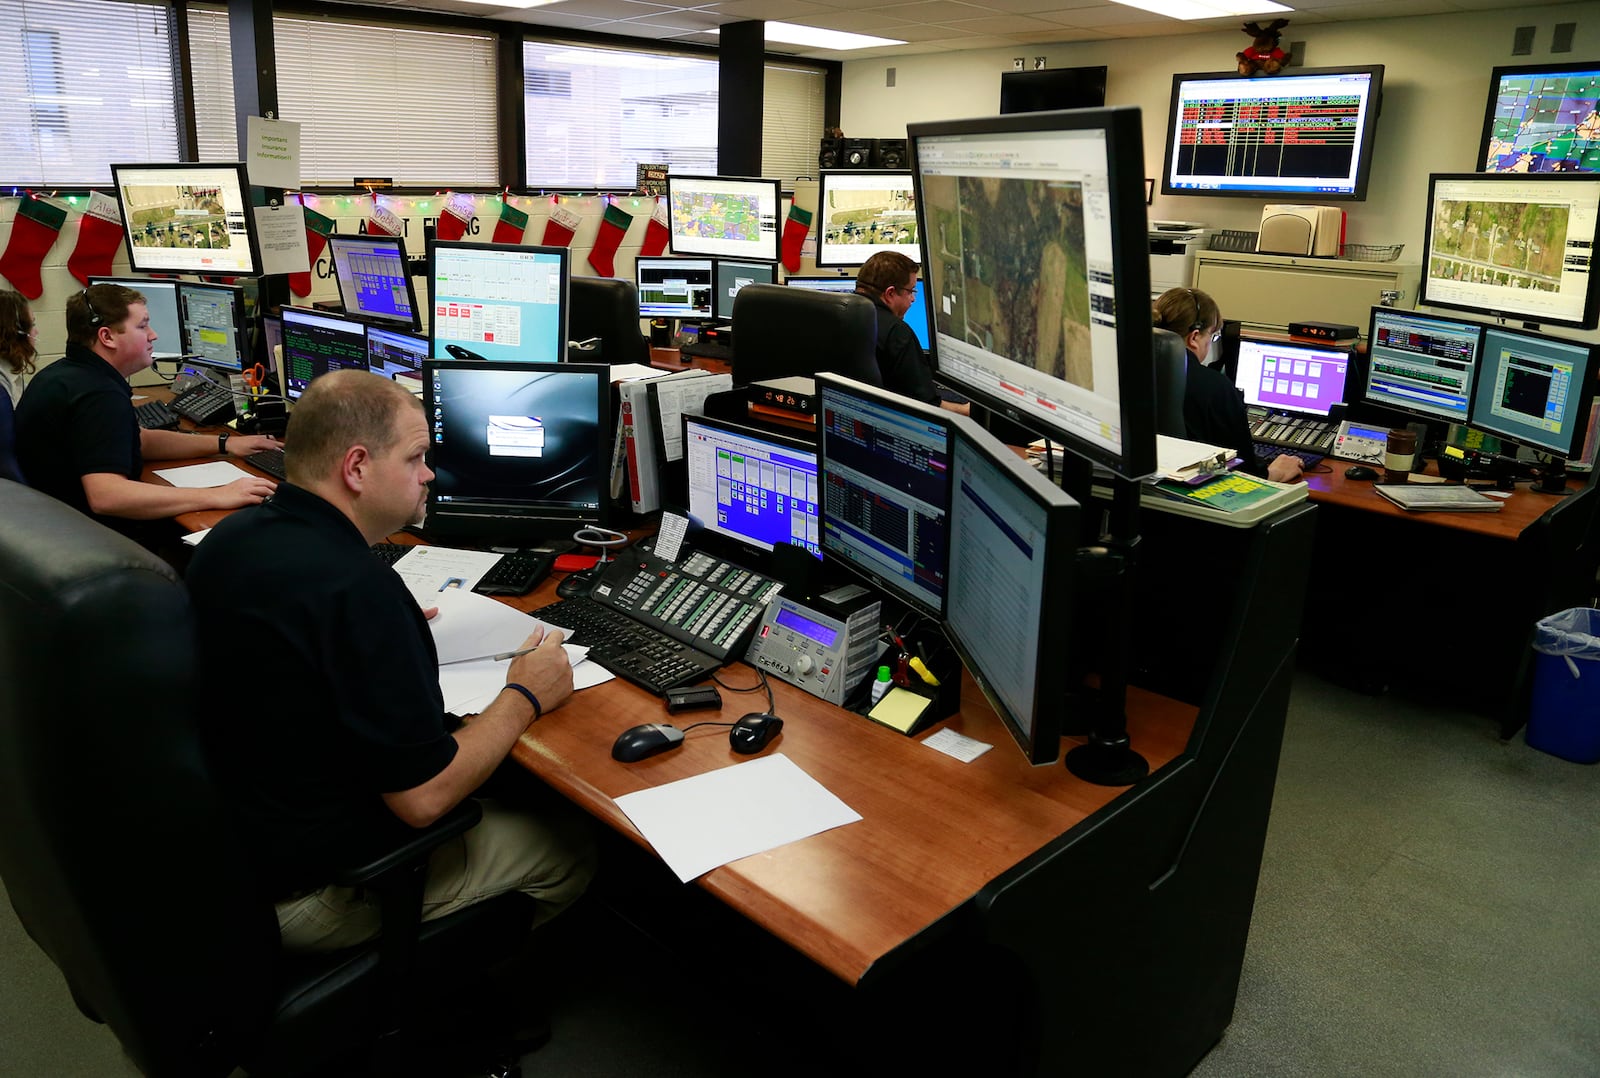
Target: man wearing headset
x: 78, y: 439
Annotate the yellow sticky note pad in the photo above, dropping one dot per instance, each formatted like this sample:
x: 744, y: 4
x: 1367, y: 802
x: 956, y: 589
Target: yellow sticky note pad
x: 900, y: 709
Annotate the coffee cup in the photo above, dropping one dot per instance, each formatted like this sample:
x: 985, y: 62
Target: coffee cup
x: 1399, y: 456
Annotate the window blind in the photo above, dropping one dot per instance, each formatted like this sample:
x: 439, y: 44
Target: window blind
x: 211, y: 69
x: 791, y: 121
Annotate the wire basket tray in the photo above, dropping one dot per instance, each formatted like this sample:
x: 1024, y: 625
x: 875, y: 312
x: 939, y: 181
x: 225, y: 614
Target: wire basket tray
x: 1373, y: 252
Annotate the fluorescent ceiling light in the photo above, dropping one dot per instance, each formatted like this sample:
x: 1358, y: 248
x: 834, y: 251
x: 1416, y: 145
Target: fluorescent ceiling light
x: 789, y: 33
x: 1205, y: 9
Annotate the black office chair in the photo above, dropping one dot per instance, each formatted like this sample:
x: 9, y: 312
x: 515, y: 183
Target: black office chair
x: 1172, y: 379
x: 607, y: 308
x: 118, y: 855
x: 781, y: 332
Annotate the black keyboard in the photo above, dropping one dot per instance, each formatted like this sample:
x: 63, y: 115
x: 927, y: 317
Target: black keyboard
x: 205, y: 403
x: 1266, y: 453
x: 154, y: 415
x: 650, y: 659
x: 269, y: 461
x: 389, y: 553
x: 515, y: 574
x: 1293, y: 432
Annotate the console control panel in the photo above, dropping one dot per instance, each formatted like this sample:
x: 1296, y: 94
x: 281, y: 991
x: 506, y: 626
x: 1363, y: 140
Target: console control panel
x: 824, y: 655
x: 703, y: 601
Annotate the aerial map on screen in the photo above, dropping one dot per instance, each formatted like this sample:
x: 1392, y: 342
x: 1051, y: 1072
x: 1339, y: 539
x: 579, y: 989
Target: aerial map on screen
x: 1545, y: 123
x: 1512, y: 244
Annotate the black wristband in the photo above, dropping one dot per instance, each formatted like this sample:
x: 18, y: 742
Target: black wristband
x: 532, y: 699
x: 222, y: 443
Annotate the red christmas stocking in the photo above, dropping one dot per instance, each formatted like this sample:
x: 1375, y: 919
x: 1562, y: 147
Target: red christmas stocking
x: 456, y: 218
x: 613, y: 226
x: 655, y: 232
x: 99, y: 236
x: 318, y: 229
x: 33, y: 233
x: 561, y: 227
x: 794, y: 235
x: 512, y: 226
x: 384, y: 222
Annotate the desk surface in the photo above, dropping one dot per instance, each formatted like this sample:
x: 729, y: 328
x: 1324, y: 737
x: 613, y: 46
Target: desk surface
x: 1521, y: 509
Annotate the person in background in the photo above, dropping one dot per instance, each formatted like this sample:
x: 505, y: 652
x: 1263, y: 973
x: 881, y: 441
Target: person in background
x: 1213, y: 408
x: 18, y: 334
x: 889, y: 280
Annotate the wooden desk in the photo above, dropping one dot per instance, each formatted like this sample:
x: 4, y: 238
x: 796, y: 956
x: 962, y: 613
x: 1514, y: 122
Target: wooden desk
x: 1520, y: 509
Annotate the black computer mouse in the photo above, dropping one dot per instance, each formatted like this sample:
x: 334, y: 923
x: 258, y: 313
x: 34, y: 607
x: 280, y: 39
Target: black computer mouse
x: 643, y: 742
x: 462, y: 353
x: 1360, y: 471
x: 751, y: 733
x: 578, y: 584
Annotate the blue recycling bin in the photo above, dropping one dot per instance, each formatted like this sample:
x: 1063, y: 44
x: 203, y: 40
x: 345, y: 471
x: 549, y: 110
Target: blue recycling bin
x: 1564, y: 715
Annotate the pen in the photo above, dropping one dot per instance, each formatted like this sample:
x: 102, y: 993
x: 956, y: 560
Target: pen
x: 489, y: 658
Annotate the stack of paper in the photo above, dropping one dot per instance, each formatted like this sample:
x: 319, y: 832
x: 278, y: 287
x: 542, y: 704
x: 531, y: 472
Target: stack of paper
x: 468, y: 626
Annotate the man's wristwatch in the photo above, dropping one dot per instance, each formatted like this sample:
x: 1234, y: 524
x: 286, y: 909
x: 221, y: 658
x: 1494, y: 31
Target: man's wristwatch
x: 222, y: 443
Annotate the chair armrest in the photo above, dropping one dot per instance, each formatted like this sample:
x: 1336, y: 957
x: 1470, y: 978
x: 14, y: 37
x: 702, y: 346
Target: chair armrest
x: 457, y: 821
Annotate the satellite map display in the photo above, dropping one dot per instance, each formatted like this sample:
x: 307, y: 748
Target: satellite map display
x: 1018, y: 287
x: 884, y: 215
x: 1546, y: 123
x: 717, y: 216
x: 177, y: 216
x: 1508, y: 244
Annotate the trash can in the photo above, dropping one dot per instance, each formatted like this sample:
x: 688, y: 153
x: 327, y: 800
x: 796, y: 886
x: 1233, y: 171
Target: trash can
x: 1564, y: 716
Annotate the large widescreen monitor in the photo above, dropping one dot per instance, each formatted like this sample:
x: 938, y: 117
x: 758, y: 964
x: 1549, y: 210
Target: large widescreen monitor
x: 211, y: 320
x: 161, y: 299
x: 724, y: 216
x: 499, y: 301
x: 314, y: 343
x: 1542, y: 118
x: 1422, y: 363
x: 862, y: 213
x: 188, y: 218
x: 1305, y: 378
x: 518, y: 450
x: 884, y: 470
x: 730, y: 276
x: 674, y: 287
x: 1534, y: 389
x: 1009, y: 605
x: 1306, y: 131
x: 753, y: 487
x: 374, y: 282
x: 1515, y: 245
x: 1036, y: 265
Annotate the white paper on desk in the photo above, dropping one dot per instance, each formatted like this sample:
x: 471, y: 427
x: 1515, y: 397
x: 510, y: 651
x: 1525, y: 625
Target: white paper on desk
x: 632, y: 372
x: 193, y: 538
x: 699, y: 823
x: 469, y: 625
x: 468, y: 688
x: 429, y: 571
x: 214, y: 474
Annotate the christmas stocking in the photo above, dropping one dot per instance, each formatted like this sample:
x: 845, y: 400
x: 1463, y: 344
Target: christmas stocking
x: 33, y: 233
x: 99, y: 236
x: 318, y: 229
x: 655, y: 232
x: 613, y: 226
x: 455, y: 219
x: 384, y: 222
x: 562, y: 225
x: 512, y: 226
x: 794, y: 235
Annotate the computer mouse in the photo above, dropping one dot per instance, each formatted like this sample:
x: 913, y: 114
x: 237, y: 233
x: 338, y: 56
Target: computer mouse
x: 1360, y: 471
x: 462, y: 353
x: 642, y: 742
x: 577, y: 584
x: 751, y: 733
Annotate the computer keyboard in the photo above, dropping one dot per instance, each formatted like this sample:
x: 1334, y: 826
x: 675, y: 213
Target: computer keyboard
x: 155, y: 415
x: 635, y: 652
x: 389, y: 553
x: 1266, y: 452
x: 206, y: 402
x: 515, y: 574
x: 269, y: 461
x: 1295, y: 432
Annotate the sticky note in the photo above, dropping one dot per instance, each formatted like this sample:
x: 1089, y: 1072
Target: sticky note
x: 900, y: 709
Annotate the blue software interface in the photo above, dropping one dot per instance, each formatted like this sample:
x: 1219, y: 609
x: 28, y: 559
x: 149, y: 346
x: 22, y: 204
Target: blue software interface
x: 389, y: 353
x: 498, y: 304
x: 1531, y: 389
x: 1422, y: 363
x: 916, y: 317
x: 372, y: 276
x: 757, y: 489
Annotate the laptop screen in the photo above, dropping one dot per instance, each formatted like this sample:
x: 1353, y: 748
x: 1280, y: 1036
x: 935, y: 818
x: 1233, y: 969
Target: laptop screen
x: 1303, y: 378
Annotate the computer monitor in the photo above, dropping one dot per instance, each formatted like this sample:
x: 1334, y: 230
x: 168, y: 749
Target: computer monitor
x: 731, y: 276
x: 674, y: 287
x: 211, y: 320
x: 1534, y: 389
x: 1307, y: 378
x: 161, y: 298
x: 519, y: 450
x: 862, y: 213
x: 884, y: 471
x: 1542, y: 118
x: 498, y: 301
x: 916, y: 315
x: 1422, y: 363
x: 753, y: 487
x: 391, y: 352
x: 1045, y: 91
x: 374, y: 282
x: 1514, y: 244
x: 1009, y: 595
x: 724, y: 216
x: 1303, y: 132
x: 1037, y: 270
x: 188, y: 218
x: 314, y: 343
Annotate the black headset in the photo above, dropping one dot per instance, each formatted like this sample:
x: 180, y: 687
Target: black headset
x: 94, y: 315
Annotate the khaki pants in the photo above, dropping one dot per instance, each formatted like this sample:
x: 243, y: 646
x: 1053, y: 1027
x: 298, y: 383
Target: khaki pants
x: 548, y: 856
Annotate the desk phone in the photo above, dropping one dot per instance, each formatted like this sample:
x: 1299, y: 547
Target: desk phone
x: 1357, y: 442
x: 703, y: 601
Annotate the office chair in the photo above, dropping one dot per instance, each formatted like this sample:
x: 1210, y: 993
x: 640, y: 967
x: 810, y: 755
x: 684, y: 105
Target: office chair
x: 609, y: 309
x: 117, y: 852
x: 781, y: 332
x: 1172, y: 379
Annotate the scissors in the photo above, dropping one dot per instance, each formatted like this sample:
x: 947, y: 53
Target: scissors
x: 255, y: 378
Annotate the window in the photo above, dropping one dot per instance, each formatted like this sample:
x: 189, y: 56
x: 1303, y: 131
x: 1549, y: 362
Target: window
x: 211, y: 68
x: 81, y: 76
x: 791, y: 121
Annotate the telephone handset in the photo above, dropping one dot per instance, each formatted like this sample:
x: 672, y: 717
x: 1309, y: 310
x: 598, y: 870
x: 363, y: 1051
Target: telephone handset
x: 1360, y: 441
x: 202, y: 399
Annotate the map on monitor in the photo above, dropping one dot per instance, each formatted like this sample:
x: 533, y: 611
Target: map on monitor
x: 1542, y: 118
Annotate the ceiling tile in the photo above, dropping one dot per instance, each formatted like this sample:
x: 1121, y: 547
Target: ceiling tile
x: 1105, y: 15
x: 933, y: 11
x: 1005, y: 25
x: 1060, y: 35
x: 770, y: 10
x: 1031, y: 7
x: 1390, y: 10
x: 606, y: 9
x: 857, y: 22
x: 539, y: 16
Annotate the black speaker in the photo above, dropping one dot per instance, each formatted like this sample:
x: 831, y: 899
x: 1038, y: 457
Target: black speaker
x: 891, y: 153
x: 829, y: 152
x: 858, y: 153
